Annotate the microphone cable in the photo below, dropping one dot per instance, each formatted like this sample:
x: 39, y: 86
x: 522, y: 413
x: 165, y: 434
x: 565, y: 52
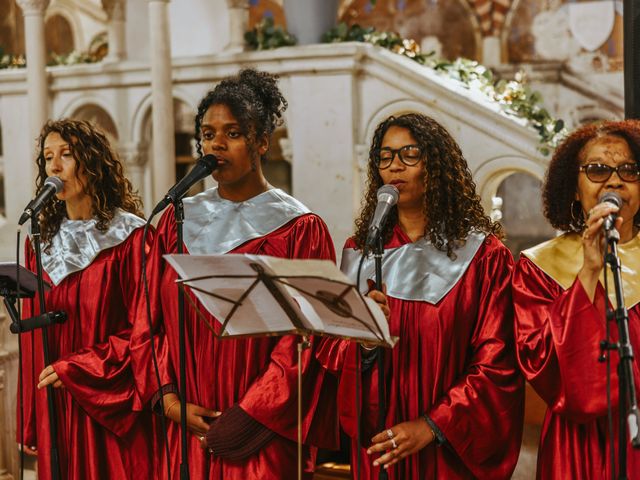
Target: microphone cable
x: 358, y: 383
x: 20, y: 372
x: 154, y: 357
x: 608, y: 316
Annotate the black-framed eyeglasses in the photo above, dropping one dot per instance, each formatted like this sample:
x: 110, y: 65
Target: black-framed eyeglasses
x: 410, y: 155
x: 600, y: 173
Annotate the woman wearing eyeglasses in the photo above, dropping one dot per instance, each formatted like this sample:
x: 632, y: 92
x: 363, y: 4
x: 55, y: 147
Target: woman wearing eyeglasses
x: 560, y: 300
x: 454, y: 395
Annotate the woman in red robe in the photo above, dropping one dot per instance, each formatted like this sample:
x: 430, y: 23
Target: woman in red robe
x: 454, y: 396
x: 560, y: 301
x: 241, y: 393
x: 92, y: 244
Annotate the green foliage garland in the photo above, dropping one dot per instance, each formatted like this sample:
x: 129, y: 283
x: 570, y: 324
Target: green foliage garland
x: 266, y: 36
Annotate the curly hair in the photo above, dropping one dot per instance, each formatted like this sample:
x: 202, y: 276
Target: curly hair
x: 561, y: 181
x: 254, y: 100
x: 106, y: 184
x: 451, y: 203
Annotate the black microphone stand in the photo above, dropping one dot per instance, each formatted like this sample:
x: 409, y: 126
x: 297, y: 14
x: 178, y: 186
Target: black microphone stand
x: 628, y: 405
x: 178, y: 210
x: 53, y: 424
x: 378, y: 253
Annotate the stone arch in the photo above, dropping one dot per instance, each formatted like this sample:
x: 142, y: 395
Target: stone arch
x: 490, y: 173
x: 590, y: 113
x: 184, y: 113
x: 522, y: 211
x: 398, y: 107
x: 61, y: 20
x: 143, y: 109
x: 93, y: 109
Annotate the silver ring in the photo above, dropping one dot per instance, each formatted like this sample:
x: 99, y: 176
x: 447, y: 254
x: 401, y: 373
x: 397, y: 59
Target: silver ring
x: 393, y: 442
x: 390, y: 434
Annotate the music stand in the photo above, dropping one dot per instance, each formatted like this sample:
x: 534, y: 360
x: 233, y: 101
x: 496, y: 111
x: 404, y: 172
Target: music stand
x: 301, y: 297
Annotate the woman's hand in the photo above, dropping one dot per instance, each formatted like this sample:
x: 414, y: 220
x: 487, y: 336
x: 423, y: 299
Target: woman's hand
x: 380, y: 297
x: 196, y: 415
x: 594, y: 244
x: 400, y: 441
x: 48, y: 376
x: 31, y: 451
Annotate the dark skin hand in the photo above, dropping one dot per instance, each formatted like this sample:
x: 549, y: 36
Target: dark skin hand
x: 196, y: 415
x: 409, y: 438
x: 381, y: 299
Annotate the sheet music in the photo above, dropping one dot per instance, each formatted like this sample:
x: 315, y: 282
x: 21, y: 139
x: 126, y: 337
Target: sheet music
x: 321, y: 296
x: 259, y: 312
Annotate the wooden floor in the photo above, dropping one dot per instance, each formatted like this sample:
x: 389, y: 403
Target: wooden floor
x: 332, y: 471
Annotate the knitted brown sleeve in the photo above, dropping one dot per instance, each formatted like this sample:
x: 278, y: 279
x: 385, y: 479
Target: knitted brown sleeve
x: 235, y: 435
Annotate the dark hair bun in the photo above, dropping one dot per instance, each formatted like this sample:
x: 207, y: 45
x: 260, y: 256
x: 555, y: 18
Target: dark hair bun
x: 254, y: 99
x: 265, y: 88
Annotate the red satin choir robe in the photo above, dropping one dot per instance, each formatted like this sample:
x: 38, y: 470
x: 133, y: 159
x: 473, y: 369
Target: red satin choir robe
x: 558, y: 334
x: 454, y: 361
x: 99, y: 435
x: 258, y: 374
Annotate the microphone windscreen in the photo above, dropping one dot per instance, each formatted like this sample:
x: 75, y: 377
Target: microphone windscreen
x: 388, y: 193
x: 210, y: 161
x: 612, y: 198
x: 55, y: 182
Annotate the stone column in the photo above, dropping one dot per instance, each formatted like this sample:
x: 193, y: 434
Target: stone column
x: 491, y: 51
x: 238, y: 24
x: 115, y: 10
x: 163, y: 161
x: 133, y: 161
x: 38, y: 99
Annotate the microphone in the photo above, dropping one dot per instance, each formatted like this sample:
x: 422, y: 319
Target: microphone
x: 614, y: 199
x: 203, y: 168
x: 52, y: 185
x: 387, y: 198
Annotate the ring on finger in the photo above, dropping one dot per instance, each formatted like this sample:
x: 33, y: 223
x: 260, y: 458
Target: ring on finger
x: 390, y: 434
x: 393, y: 442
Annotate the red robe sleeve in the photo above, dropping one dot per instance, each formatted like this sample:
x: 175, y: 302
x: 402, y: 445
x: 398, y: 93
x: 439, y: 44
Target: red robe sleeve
x: 489, y: 396
x: 99, y: 377
x: 272, y: 398
x: 146, y: 377
x: 558, y: 334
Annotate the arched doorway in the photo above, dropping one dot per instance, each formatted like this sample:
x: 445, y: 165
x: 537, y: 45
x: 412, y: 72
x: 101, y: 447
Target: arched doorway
x: 522, y: 217
x: 99, y: 117
x: 58, y: 35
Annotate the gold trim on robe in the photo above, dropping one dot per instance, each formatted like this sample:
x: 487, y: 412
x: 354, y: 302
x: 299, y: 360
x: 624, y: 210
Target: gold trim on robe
x: 561, y: 258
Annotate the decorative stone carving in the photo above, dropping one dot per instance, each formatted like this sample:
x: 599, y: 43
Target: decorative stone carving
x: 31, y: 7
